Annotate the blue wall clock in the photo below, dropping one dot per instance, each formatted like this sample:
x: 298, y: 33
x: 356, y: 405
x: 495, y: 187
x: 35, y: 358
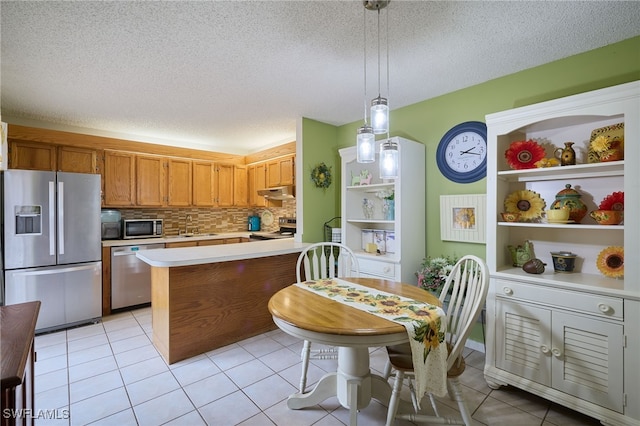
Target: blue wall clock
x: 462, y: 152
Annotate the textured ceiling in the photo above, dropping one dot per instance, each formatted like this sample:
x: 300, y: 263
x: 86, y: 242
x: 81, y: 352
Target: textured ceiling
x: 234, y: 76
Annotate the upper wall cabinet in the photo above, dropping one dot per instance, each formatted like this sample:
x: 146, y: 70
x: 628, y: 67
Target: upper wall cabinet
x: 179, y: 182
x: 240, y: 186
x: 205, y: 184
x: 119, y: 179
x: 39, y: 156
x: 281, y: 171
x: 150, y: 181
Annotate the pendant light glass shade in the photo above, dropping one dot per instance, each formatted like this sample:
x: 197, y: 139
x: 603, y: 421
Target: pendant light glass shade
x: 365, y: 145
x: 380, y: 115
x: 388, y: 160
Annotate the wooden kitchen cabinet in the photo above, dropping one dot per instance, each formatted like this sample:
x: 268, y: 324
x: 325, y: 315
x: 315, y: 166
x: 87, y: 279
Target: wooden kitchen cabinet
x: 281, y: 171
x: 32, y: 156
x: 119, y: 179
x: 179, y: 182
x: 150, y: 183
x: 28, y: 155
x: 204, y: 183
x: 257, y: 180
x: 225, y: 174
x: 240, y: 186
x: 77, y: 160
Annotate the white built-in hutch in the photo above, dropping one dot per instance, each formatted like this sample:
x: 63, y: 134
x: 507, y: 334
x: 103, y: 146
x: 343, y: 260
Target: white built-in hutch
x: 404, y: 246
x: 573, y: 338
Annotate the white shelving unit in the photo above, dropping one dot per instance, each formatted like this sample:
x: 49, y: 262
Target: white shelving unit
x: 568, y: 337
x: 403, y: 258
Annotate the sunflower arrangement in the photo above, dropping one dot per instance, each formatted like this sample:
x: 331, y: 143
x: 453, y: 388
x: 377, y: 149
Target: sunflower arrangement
x: 604, y: 148
x: 525, y: 202
x: 321, y: 176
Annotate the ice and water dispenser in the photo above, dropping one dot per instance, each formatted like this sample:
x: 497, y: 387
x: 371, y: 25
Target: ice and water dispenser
x: 28, y: 220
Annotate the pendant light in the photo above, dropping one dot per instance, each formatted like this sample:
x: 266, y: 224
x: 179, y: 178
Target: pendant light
x: 388, y: 159
x: 380, y: 105
x: 365, y: 140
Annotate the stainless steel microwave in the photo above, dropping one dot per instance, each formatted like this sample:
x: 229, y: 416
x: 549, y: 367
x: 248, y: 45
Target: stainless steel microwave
x: 141, y: 228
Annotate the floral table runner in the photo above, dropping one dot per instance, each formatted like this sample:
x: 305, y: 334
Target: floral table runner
x: 425, y: 325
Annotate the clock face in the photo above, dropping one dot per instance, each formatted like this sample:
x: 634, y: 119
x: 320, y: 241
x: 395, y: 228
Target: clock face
x: 462, y: 152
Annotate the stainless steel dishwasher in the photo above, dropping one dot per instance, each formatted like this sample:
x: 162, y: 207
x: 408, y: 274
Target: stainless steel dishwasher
x: 130, y: 276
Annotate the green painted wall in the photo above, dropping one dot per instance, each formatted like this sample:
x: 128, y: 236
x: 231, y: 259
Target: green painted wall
x: 428, y: 121
x: 320, y: 145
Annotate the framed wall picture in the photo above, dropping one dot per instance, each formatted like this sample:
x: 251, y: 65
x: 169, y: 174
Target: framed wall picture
x: 462, y: 218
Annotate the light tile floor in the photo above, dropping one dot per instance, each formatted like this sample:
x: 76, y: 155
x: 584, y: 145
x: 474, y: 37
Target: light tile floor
x: 111, y: 374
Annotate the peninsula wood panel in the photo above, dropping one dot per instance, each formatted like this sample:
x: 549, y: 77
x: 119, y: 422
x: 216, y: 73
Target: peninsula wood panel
x: 203, y: 307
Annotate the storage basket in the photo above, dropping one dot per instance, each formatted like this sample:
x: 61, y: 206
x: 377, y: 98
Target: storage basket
x: 332, y: 234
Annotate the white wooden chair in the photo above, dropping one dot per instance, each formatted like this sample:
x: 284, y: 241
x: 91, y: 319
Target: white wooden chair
x: 319, y: 261
x: 469, y: 282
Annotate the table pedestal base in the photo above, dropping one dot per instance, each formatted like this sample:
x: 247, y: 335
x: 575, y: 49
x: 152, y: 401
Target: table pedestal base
x: 352, y: 382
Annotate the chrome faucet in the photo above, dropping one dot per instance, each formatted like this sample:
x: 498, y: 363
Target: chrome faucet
x: 187, y: 222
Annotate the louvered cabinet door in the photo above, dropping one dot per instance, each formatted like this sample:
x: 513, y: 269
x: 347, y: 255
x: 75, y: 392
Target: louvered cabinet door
x: 523, y: 340
x: 588, y: 359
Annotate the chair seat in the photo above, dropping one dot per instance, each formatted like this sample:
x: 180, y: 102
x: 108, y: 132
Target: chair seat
x: 400, y: 359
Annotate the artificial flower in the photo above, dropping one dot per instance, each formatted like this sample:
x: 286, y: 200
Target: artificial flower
x: 525, y: 202
x: 613, y: 201
x: 611, y: 262
x: 524, y: 154
x: 600, y: 144
x: 433, y: 272
x: 547, y: 162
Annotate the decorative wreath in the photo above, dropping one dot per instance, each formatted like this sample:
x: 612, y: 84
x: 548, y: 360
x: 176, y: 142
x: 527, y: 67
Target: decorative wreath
x: 613, y: 201
x: 321, y: 176
x: 524, y: 154
x: 525, y: 202
x: 611, y: 262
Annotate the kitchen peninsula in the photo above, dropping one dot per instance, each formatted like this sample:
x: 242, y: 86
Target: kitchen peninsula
x: 206, y: 297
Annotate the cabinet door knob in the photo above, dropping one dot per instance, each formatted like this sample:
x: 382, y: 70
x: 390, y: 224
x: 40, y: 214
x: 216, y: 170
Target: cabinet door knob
x: 605, y: 309
x: 386, y: 269
x: 556, y: 352
x: 508, y: 291
x: 544, y: 349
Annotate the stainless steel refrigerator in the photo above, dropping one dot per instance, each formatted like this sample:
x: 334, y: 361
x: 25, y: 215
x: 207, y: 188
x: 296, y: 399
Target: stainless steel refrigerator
x: 52, y: 247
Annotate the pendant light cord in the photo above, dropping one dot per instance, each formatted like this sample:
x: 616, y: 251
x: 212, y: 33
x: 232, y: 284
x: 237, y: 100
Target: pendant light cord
x: 387, y: 43
x: 379, y: 53
x: 364, y: 43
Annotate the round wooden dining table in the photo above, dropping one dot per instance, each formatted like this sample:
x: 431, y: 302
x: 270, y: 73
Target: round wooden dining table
x: 308, y: 316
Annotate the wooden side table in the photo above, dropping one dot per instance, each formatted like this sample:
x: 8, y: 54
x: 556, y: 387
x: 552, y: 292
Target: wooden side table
x: 17, y: 329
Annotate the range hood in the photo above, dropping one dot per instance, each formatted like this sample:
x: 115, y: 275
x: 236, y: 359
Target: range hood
x: 277, y: 193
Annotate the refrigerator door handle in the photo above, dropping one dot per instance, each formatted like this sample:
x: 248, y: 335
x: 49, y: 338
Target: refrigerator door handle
x: 52, y: 217
x: 61, y: 217
x: 47, y: 271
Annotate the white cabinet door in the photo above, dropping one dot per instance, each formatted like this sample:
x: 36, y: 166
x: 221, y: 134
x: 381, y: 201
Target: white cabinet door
x: 568, y: 352
x: 523, y: 342
x: 587, y: 359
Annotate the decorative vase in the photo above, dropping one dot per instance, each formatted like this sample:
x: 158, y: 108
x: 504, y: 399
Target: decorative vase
x: 367, y: 208
x: 570, y: 198
x: 388, y: 208
x: 566, y: 155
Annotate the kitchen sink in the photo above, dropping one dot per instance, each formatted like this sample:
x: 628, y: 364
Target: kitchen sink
x: 191, y: 235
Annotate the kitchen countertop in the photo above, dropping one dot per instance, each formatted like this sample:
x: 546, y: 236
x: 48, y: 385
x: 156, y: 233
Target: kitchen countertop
x: 186, y: 256
x: 175, y: 238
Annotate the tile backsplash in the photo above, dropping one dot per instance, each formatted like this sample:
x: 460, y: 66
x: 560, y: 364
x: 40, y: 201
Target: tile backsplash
x: 210, y: 220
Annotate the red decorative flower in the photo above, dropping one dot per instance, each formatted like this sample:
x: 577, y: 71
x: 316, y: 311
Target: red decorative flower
x: 524, y: 154
x: 613, y: 201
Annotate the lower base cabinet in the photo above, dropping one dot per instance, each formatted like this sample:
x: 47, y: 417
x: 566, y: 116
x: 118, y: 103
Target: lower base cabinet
x: 567, y: 346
